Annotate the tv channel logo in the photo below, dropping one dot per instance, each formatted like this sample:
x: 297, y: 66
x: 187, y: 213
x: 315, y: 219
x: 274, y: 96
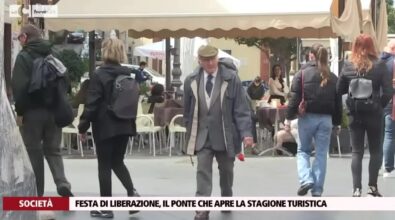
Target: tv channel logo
x: 34, y: 11
x: 17, y: 11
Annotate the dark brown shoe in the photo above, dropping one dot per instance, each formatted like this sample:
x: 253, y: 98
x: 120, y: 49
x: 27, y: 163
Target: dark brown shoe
x: 201, y: 215
x: 64, y: 191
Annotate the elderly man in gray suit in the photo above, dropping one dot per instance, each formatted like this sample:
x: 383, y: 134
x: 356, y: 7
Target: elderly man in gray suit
x: 217, y: 119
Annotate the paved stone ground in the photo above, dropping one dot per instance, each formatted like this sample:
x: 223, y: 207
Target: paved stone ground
x: 257, y: 176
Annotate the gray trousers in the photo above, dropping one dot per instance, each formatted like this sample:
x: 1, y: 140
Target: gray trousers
x: 204, y: 173
x: 42, y: 138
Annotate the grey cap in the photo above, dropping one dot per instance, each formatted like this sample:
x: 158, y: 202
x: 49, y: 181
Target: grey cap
x: 207, y: 51
x: 32, y: 32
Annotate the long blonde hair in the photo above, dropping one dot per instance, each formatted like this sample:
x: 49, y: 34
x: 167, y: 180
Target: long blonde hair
x: 113, y: 51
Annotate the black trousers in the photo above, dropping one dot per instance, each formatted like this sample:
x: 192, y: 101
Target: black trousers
x: 282, y: 98
x: 372, y: 124
x: 254, y: 120
x: 110, y: 155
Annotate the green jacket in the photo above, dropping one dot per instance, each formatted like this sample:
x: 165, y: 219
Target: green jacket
x: 21, y: 74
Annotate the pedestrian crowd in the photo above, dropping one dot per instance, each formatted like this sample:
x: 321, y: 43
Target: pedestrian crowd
x: 218, y: 114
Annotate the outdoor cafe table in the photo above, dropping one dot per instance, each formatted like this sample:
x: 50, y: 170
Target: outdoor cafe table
x: 163, y: 113
x: 269, y: 116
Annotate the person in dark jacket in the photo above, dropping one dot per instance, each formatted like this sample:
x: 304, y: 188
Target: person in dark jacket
x: 323, y: 110
x: 111, y: 134
x: 364, y: 63
x: 388, y: 57
x: 41, y: 135
x: 80, y: 97
x: 141, y: 76
x: 157, y: 96
x: 256, y: 90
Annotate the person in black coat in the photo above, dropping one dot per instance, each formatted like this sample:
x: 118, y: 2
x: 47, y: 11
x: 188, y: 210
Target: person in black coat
x: 141, y: 75
x: 256, y: 90
x: 323, y: 107
x: 388, y: 56
x: 111, y: 134
x: 157, y: 96
x: 366, y: 64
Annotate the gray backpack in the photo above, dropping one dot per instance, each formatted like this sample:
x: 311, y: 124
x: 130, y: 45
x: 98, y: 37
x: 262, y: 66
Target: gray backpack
x: 361, y: 96
x: 48, y: 86
x: 124, y: 97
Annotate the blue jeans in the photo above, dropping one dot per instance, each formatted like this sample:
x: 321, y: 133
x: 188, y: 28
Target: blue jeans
x: 317, y: 127
x: 389, y: 141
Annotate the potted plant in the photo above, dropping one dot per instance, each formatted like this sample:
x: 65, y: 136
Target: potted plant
x: 344, y: 136
x: 76, y: 67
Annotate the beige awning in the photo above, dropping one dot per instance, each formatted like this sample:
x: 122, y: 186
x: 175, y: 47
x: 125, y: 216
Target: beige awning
x: 349, y: 25
x: 382, y: 26
x: 380, y: 34
x: 203, y: 18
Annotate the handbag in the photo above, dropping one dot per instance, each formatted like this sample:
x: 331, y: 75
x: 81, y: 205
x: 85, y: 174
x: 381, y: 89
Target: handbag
x: 302, y: 104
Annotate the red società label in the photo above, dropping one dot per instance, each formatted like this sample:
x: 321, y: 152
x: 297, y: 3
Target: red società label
x: 35, y: 203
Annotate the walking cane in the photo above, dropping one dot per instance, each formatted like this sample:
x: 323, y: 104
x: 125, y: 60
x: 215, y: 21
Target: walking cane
x: 338, y: 145
x: 240, y: 156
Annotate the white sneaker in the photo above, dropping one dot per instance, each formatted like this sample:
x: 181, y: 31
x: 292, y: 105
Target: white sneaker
x: 388, y: 174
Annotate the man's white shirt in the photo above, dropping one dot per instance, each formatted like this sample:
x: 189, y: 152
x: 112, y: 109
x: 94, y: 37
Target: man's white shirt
x: 208, y: 96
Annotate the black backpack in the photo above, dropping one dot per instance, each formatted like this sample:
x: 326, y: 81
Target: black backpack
x: 361, y: 96
x: 49, y: 87
x: 124, y: 97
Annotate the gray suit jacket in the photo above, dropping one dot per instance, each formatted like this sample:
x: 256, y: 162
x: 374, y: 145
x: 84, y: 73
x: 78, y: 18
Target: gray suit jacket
x: 210, y: 130
x: 236, y: 118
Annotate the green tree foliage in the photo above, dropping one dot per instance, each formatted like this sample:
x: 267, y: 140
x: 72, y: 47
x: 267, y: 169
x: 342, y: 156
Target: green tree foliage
x: 391, y: 16
x: 74, y: 64
x: 280, y: 50
x: 344, y: 122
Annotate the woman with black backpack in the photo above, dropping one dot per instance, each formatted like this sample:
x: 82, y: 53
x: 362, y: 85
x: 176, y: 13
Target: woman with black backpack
x: 368, y: 84
x: 111, y: 133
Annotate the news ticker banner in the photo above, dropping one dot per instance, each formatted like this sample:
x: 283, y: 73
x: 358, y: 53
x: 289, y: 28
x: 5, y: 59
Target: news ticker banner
x: 199, y: 203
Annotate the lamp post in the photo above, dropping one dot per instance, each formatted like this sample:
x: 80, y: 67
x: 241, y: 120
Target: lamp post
x: 168, y: 69
x: 339, y: 39
x: 92, y: 53
x: 176, y: 72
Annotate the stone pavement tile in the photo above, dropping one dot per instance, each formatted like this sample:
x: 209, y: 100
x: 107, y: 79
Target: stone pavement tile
x: 174, y: 176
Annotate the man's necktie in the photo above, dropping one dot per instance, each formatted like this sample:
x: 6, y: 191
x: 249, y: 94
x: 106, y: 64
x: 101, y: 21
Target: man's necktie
x: 209, y: 85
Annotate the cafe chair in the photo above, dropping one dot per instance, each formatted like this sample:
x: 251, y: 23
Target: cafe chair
x: 73, y: 129
x: 145, y: 122
x: 145, y: 125
x: 174, y: 129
